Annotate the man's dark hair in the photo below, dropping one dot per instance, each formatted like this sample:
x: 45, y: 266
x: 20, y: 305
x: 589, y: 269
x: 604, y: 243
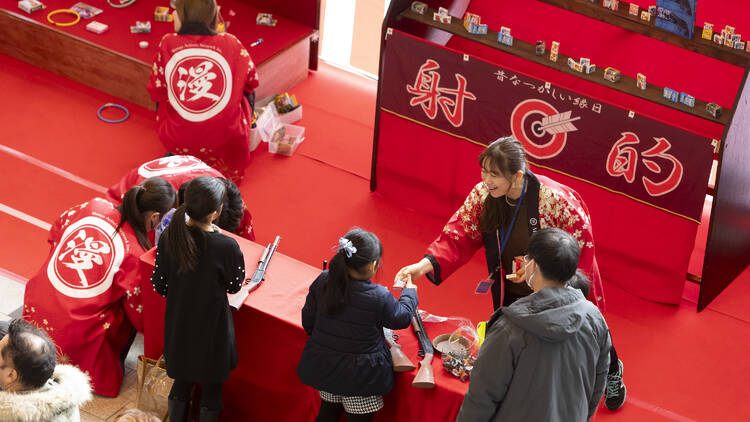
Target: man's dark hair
x: 556, y: 253
x: 32, y: 353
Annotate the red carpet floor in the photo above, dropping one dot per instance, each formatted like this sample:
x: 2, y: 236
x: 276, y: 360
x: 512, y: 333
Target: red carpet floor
x: 679, y: 365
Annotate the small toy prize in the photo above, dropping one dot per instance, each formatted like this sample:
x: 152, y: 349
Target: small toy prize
x: 611, y: 74
x: 540, y: 48
x: 641, y: 81
x: 141, y: 27
x: 97, y: 27
x: 285, y: 103
x: 554, y: 50
x: 86, y: 11
x: 265, y: 19
x: 473, y: 24
x: 418, y: 7
x: 442, y: 15
x: 670, y: 94
x: 714, y: 110
x: 504, y: 37
x: 30, y: 6
x: 161, y: 14
x: 687, y: 99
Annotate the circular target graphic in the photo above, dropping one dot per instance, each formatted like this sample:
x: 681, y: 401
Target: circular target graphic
x: 526, y: 126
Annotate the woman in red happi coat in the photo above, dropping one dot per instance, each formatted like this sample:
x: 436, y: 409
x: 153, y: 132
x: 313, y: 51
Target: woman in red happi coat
x: 87, y: 295
x: 180, y: 169
x: 500, y: 214
x: 200, y: 80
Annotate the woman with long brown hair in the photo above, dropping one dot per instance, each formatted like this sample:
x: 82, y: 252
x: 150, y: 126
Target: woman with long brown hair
x: 500, y: 214
x: 203, y: 83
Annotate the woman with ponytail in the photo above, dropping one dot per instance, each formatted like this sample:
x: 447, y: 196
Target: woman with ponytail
x: 87, y: 295
x: 346, y: 358
x: 196, y: 266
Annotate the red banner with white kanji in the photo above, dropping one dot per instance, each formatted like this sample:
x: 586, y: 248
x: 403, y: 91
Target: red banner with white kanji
x: 608, y: 146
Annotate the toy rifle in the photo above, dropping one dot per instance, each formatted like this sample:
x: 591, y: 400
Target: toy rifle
x: 236, y: 300
x: 400, y: 362
x: 425, y: 378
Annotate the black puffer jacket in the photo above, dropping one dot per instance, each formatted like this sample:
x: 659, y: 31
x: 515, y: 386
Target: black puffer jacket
x: 346, y: 353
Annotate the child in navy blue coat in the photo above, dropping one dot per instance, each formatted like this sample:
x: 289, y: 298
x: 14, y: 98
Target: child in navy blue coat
x: 346, y: 358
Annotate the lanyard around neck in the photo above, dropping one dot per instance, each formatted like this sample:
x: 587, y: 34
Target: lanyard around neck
x: 502, y: 237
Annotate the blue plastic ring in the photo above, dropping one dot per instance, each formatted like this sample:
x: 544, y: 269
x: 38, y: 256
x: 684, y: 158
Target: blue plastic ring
x: 99, y: 113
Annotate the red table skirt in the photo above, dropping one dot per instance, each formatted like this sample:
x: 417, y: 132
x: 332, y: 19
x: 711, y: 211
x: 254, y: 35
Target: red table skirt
x: 270, y: 338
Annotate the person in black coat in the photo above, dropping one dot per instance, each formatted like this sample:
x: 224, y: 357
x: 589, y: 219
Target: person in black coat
x: 346, y: 358
x: 196, y: 266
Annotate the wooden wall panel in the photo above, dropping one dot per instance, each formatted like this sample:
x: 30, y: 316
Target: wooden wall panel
x: 728, y: 247
x: 284, y: 70
x: 74, y: 58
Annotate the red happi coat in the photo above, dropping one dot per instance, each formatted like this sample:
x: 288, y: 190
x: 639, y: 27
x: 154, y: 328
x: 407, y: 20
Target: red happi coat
x: 176, y: 170
x: 198, y: 81
x: 87, y: 295
x: 559, y: 206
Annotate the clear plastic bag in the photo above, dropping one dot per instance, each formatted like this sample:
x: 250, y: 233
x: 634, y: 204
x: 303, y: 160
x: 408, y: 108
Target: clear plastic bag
x: 457, y: 341
x: 269, y: 125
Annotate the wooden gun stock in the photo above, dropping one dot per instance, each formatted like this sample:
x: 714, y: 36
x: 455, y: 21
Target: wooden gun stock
x: 401, y: 363
x: 425, y: 377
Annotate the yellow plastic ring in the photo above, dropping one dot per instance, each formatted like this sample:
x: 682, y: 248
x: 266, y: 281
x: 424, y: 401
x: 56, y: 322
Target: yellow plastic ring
x: 72, y: 12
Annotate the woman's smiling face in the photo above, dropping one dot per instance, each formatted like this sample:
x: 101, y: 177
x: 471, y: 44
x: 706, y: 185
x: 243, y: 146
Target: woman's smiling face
x: 497, y: 184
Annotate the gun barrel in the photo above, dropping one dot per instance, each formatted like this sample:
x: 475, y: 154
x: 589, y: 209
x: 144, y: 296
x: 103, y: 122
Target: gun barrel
x: 264, y: 255
x: 424, y: 340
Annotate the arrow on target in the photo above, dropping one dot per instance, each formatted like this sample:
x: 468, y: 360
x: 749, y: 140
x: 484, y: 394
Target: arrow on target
x: 559, y: 123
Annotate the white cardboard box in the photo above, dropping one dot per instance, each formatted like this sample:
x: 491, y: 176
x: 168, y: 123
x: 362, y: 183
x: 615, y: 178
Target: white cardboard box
x: 293, y: 116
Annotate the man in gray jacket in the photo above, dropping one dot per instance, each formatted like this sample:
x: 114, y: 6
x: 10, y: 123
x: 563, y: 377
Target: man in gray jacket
x: 545, y: 357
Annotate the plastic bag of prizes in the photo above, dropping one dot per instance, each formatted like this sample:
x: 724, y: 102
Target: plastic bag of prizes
x: 457, y: 341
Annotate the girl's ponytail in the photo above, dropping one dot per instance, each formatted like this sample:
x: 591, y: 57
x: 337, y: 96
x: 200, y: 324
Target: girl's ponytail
x: 336, y: 291
x: 154, y: 194
x: 180, y: 242
x: 357, y: 249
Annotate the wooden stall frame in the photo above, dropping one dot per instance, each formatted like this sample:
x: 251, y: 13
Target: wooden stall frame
x: 117, y: 74
x: 721, y: 263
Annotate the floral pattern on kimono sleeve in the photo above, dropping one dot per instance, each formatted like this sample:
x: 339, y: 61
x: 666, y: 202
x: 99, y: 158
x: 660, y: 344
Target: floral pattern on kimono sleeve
x: 460, y: 237
x: 157, y: 86
x: 128, y: 279
x: 562, y: 207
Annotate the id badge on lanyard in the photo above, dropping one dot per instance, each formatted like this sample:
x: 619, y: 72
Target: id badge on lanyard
x: 485, y: 285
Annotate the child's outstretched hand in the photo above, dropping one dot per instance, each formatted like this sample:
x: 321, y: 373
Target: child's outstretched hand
x: 403, y: 281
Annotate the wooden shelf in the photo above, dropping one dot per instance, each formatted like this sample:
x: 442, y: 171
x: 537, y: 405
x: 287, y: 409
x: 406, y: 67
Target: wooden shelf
x: 624, y: 19
x: 527, y: 51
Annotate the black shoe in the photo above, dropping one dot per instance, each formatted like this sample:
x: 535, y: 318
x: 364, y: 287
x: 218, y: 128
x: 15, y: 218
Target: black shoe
x: 616, y: 391
x: 169, y: 154
x: 207, y: 415
x: 178, y: 410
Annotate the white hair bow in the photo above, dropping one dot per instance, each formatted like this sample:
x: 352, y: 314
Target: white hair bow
x: 346, y: 246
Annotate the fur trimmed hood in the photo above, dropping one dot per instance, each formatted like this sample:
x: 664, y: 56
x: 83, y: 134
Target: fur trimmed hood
x: 57, y: 401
